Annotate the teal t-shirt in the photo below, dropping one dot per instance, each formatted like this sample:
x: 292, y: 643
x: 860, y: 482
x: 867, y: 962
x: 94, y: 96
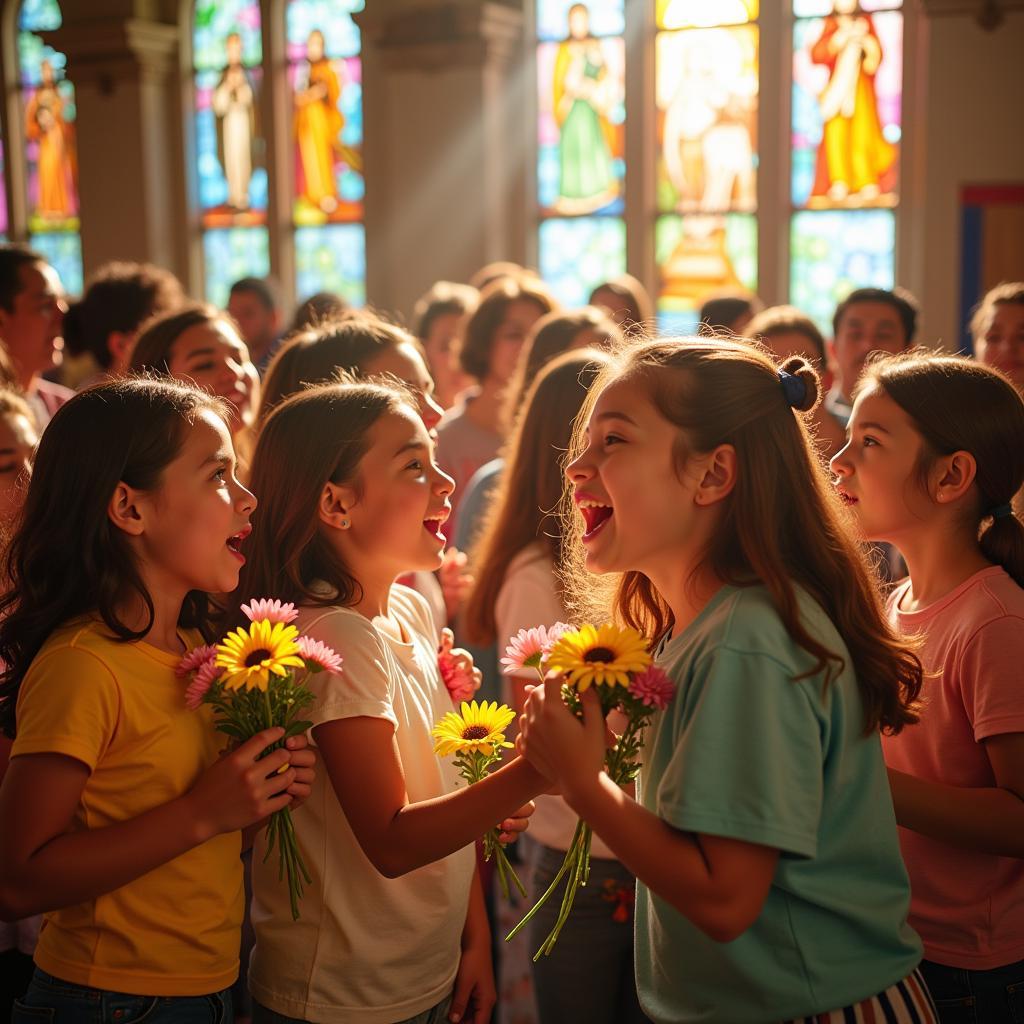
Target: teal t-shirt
x: 745, y: 751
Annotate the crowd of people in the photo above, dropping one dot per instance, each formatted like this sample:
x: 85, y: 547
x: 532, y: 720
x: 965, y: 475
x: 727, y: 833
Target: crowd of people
x: 820, y: 538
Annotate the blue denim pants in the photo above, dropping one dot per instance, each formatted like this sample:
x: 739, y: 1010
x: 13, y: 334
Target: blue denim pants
x: 435, y: 1015
x: 52, y: 1001
x: 976, y: 997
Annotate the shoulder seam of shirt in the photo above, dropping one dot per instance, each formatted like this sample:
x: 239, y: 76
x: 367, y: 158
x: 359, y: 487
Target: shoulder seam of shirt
x: 983, y: 625
x: 71, y: 645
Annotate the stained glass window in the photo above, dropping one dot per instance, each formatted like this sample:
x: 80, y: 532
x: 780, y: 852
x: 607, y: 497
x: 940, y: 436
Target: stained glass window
x: 847, y: 92
x: 48, y: 112
x: 581, y: 144
x: 325, y: 81
x: 706, y: 91
x: 227, y: 58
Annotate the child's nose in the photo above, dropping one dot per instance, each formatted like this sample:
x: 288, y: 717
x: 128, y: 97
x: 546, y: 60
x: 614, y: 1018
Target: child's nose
x: 579, y: 469
x: 838, y: 463
x: 443, y: 484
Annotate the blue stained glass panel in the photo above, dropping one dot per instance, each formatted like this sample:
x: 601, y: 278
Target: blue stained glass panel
x: 604, y: 17
x: 331, y: 259
x: 232, y: 253
x: 834, y: 251
x: 577, y: 254
x: 214, y: 21
x: 63, y: 251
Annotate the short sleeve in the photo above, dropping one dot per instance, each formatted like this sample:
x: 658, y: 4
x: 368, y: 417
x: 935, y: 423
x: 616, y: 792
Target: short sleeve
x: 364, y: 687
x: 69, y: 703
x: 990, y: 678
x: 747, y: 761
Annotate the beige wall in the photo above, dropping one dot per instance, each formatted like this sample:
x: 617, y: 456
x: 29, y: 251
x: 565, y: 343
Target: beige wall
x: 974, y: 134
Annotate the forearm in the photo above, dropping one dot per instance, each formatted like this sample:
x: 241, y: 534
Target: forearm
x: 669, y: 862
x: 988, y: 820
x: 79, y: 866
x: 477, y: 931
x: 428, y: 830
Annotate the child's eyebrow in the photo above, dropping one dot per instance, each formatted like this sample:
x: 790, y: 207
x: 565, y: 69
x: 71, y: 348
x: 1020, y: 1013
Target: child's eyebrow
x: 615, y: 416
x: 410, y: 446
x: 870, y: 425
x: 217, y: 458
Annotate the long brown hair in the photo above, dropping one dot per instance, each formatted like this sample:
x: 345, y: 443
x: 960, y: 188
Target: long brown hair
x: 783, y: 525
x: 524, y: 510
x: 66, y: 558
x: 315, y: 437
x: 958, y: 404
x: 316, y: 355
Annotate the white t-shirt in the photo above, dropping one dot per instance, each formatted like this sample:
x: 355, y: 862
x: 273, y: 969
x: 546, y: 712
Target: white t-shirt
x: 528, y: 598
x: 366, y: 949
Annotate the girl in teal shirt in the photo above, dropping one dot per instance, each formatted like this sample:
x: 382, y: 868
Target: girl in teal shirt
x: 770, y: 881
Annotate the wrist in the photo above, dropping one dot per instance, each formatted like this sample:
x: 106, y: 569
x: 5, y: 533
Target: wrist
x: 583, y: 792
x: 198, y: 829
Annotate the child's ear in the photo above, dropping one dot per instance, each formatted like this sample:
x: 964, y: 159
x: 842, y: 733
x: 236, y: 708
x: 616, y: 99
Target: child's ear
x: 336, y: 504
x: 954, y: 475
x: 123, y: 510
x: 719, y: 476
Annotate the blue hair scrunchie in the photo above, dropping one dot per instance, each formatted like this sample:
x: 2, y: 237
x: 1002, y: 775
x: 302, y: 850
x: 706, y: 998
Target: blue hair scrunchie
x: 1001, y: 512
x: 794, y: 388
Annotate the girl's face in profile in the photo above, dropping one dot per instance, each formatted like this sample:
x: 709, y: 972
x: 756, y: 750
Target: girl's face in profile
x: 401, y: 501
x: 636, y: 502
x: 406, y: 364
x: 18, y: 440
x: 1002, y: 344
x: 196, y: 519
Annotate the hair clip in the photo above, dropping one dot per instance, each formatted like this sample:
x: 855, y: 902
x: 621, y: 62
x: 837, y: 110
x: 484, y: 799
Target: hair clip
x: 794, y: 388
x: 1001, y: 511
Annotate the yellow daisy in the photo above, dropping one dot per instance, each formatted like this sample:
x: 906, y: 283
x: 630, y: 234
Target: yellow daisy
x: 480, y: 727
x: 249, y: 656
x: 605, y: 655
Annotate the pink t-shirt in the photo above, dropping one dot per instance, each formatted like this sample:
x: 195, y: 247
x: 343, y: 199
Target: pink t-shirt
x: 968, y: 907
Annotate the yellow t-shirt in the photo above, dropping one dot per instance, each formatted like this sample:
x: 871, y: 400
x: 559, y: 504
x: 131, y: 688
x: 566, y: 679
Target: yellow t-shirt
x: 119, y: 709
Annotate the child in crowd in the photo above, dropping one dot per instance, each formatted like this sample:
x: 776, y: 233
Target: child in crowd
x: 101, y: 328
x: 626, y: 301
x: 439, y: 315
x: 728, y: 312
x: 200, y: 344
x: 517, y: 587
x: 395, y: 928
x: 118, y: 816
x: 936, y: 453
x: 770, y: 880
x: 473, y: 432
x: 787, y: 332
x: 364, y: 345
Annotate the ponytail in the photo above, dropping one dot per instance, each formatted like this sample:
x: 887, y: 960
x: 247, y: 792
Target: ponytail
x: 1002, y: 541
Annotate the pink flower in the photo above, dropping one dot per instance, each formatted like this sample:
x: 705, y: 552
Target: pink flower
x: 460, y: 680
x: 317, y: 655
x: 195, y: 659
x: 272, y: 611
x: 529, y: 647
x: 653, y: 687
x: 204, y: 678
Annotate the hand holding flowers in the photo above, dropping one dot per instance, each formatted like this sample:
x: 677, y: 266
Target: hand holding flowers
x: 249, y: 680
x: 586, y: 673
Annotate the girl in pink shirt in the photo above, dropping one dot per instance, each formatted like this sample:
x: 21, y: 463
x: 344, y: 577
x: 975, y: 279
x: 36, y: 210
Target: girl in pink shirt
x: 934, y: 457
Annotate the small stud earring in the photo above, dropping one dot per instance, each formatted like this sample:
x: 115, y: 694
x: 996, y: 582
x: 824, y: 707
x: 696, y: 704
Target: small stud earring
x: 344, y: 524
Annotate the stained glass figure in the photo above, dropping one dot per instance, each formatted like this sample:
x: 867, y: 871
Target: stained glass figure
x: 847, y: 76
x: 325, y: 77
x: 705, y: 13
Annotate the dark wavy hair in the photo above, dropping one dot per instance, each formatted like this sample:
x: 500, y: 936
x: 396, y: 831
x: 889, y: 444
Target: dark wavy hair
x: 66, y: 558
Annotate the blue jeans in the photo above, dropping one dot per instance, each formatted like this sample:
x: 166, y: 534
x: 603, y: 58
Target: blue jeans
x: 977, y: 997
x: 435, y: 1015
x: 52, y: 1001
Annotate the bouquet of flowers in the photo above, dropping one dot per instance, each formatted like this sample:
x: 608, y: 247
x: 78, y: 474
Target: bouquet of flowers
x: 617, y: 661
x: 476, y: 735
x: 249, y: 680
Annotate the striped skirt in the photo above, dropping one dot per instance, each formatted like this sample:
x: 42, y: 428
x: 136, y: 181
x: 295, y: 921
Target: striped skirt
x: 906, y: 1002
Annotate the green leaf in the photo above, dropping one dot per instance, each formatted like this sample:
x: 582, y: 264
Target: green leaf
x: 296, y: 728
